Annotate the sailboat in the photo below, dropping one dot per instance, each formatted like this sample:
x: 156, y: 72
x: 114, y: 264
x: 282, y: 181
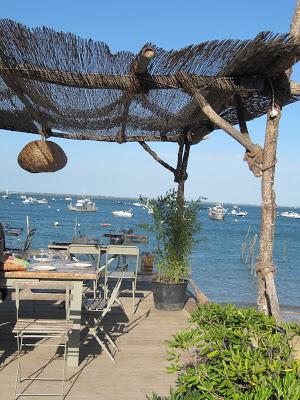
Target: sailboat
x: 6, y: 195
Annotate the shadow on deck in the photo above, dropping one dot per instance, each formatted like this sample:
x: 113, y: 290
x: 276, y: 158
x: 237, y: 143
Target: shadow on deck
x: 141, y: 361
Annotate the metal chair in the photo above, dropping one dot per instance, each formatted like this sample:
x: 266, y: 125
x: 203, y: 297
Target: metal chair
x: 22, y: 252
x: 27, y: 329
x: 102, y: 307
x: 89, y: 250
x: 116, y: 252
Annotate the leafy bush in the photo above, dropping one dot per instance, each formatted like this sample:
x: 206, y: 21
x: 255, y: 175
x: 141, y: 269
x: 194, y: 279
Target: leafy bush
x: 231, y: 353
x: 174, y: 225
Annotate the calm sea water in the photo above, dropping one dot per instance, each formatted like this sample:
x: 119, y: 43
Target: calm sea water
x: 216, y: 260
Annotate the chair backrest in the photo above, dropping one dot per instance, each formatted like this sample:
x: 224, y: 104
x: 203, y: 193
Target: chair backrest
x: 39, y: 291
x: 84, y: 249
x: 28, y: 239
x: 88, y: 249
x: 123, y: 250
x: 120, y: 250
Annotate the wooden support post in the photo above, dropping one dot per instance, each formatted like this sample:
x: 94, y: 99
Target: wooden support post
x: 139, y: 70
x: 267, y: 296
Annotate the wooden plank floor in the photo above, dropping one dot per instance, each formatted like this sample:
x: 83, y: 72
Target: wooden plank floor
x: 141, y: 361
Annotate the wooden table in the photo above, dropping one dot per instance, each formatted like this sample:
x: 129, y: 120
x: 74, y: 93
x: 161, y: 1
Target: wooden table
x: 76, y: 277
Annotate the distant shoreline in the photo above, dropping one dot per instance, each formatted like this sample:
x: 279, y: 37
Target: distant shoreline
x: 99, y: 196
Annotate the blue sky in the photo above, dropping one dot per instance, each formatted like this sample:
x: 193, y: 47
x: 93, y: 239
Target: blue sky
x: 216, y: 167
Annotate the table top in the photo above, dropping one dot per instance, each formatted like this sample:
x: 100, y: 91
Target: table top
x: 64, y: 270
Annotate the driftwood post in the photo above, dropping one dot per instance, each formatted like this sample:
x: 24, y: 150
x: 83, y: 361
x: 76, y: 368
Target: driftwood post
x: 267, y: 296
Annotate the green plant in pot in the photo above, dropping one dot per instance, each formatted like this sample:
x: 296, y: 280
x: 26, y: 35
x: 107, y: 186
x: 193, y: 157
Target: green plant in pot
x: 175, y: 224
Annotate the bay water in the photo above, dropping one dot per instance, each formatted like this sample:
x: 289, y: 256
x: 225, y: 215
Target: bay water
x: 216, y: 260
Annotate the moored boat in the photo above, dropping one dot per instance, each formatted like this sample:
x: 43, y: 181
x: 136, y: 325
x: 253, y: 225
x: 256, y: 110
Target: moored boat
x: 123, y: 213
x: 217, y: 212
x: 83, y: 205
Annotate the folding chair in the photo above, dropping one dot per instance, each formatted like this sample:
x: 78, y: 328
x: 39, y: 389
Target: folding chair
x: 103, y: 307
x: 22, y: 252
x: 27, y: 329
x: 90, y: 250
x: 124, y: 251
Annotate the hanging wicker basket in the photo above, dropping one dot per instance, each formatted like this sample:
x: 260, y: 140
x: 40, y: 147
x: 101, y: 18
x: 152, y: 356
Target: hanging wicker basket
x: 42, y: 156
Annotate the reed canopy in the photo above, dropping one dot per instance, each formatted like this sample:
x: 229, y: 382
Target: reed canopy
x: 64, y: 86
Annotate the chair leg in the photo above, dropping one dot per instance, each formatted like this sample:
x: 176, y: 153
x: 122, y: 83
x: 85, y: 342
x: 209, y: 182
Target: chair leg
x: 64, y: 369
x: 108, y: 338
x: 133, y: 296
x: 95, y: 289
x: 104, y: 348
x: 18, y: 376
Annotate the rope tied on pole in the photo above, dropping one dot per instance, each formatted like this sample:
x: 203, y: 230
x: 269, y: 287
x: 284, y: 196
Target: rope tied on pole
x: 265, y: 269
x: 255, y: 160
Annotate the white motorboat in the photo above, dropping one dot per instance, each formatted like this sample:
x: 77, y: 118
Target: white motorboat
x: 85, y: 205
x: 238, y: 212
x: 217, y: 212
x: 68, y: 198
x: 123, y: 213
x: 290, y: 214
x: 30, y: 200
x: 42, y: 201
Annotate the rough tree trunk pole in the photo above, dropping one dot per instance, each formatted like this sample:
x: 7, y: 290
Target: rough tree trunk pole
x: 267, y: 296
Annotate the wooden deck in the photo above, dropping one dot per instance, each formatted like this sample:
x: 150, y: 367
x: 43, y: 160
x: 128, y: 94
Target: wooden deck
x: 141, y: 361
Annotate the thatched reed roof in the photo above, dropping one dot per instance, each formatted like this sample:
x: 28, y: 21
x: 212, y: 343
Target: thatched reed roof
x: 78, y: 89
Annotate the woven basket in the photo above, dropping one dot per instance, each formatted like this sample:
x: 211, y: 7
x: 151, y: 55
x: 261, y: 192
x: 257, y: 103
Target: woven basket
x: 42, y: 156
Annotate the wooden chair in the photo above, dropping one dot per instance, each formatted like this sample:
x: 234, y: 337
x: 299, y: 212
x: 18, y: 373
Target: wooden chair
x: 28, y: 329
x: 118, y: 251
x: 92, y: 250
x: 101, y: 307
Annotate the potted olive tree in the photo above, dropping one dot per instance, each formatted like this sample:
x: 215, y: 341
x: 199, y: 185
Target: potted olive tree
x: 175, y: 224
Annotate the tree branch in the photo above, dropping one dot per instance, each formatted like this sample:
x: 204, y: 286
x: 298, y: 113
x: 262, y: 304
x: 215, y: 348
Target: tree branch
x: 157, y: 158
x: 188, y: 86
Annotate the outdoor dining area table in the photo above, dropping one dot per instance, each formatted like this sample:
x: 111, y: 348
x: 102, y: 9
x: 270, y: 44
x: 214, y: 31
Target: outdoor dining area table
x: 59, y: 270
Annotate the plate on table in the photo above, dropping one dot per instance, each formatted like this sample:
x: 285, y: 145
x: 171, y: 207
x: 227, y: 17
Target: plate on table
x: 45, y: 258
x: 42, y: 267
x: 78, y: 264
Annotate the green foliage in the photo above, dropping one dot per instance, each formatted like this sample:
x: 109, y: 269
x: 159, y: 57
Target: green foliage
x: 174, y: 225
x: 237, y: 354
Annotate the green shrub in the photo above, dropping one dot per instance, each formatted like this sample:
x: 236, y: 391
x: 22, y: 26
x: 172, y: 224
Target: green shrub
x: 174, y: 225
x: 232, y: 353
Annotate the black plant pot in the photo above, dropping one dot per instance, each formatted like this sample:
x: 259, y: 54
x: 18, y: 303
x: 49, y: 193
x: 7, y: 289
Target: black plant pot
x: 169, y: 296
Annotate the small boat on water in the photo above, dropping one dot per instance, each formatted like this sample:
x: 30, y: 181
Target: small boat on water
x: 12, y: 230
x: 217, y: 212
x: 42, y: 201
x: 290, y: 214
x: 123, y: 213
x: 238, y: 212
x: 30, y: 200
x: 6, y: 195
x: 83, y: 205
x: 105, y: 225
x: 68, y: 198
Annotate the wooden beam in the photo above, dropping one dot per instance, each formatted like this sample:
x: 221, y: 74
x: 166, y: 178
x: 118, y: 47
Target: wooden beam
x: 244, y: 140
x: 139, y: 69
x: 295, y: 88
x: 241, y: 114
x: 130, y: 82
x: 112, y: 138
x: 157, y: 158
x: 295, y: 24
x: 143, y: 60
